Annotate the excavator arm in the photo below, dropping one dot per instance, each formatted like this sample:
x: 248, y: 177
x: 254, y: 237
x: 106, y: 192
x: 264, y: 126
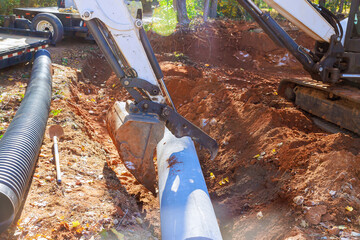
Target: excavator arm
x: 319, y: 24
x: 333, y: 93
x: 136, y: 126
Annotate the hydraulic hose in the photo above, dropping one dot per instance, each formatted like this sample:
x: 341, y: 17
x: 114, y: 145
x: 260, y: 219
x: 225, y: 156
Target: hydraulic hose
x: 20, y: 145
x: 278, y: 35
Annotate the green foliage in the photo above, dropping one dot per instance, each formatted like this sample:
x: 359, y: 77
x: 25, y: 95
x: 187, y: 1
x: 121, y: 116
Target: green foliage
x: 164, y: 19
x: 6, y: 6
x: 232, y: 9
x: 56, y: 112
x: 229, y: 9
x: 194, y: 8
x: 21, y: 96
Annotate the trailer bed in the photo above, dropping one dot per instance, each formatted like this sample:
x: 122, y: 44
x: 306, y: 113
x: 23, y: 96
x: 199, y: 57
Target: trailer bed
x: 20, y: 45
x: 8, y: 42
x: 53, y: 10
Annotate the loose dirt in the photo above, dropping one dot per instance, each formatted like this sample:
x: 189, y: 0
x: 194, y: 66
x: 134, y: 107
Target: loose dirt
x: 277, y: 176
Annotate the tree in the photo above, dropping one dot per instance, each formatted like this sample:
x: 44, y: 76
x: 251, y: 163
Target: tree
x: 210, y: 9
x: 322, y: 3
x: 341, y: 6
x: 180, y: 8
x: 213, y: 8
x: 206, y: 9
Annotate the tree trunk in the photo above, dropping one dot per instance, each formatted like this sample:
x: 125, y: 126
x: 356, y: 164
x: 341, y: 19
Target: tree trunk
x: 182, y: 13
x: 322, y: 3
x: 213, y: 8
x: 206, y: 9
x: 341, y: 6
x: 175, y: 5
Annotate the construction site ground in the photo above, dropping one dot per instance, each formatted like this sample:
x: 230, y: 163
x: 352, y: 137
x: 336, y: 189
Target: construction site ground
x: 277, y: 175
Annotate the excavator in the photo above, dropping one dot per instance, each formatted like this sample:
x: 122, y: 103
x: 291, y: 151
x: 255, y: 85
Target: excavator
x: 332, y: 93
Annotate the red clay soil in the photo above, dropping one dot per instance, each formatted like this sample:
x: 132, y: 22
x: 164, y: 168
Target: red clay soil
x: 270, y: 151
x: 277, y: 175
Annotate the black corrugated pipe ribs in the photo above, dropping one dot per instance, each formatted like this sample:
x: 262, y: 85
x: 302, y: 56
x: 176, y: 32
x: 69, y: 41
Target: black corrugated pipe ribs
x: 20, y: 145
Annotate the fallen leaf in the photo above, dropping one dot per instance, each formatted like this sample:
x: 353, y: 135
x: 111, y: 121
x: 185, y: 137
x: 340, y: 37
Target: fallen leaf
x: 350, y: 209
x: 65, y: 225
x: 75, y: 224
x: 79, y: 230
x: 117, y: 234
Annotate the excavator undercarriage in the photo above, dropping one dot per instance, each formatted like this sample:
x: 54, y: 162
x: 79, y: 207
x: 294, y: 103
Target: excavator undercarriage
x: 338, y: 104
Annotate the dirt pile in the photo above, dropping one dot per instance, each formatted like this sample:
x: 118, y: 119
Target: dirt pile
x: 276, y: 175
x: 228, y: 43
x: 270, y: 152
x: 92, y: 202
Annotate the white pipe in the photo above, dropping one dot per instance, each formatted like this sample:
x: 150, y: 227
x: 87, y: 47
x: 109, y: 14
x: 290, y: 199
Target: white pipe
x: 185, y: 206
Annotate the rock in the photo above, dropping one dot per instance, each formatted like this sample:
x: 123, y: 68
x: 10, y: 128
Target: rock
x: 259, y: 215
x: 139, y: 221
x: 332, y: 193
x: 334, y: 231
x: 204, y: 122
x: 299, y: 236
x: 313, y: 216
x: 327, y: 217
x: 213, y: 122
x: 298, y: 200
x: 303, y: 224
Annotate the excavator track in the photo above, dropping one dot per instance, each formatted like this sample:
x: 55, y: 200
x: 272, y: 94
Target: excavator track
x: 338, y: 104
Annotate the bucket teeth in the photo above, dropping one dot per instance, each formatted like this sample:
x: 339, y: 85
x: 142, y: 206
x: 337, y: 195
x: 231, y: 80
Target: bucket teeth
x: 136, y: 137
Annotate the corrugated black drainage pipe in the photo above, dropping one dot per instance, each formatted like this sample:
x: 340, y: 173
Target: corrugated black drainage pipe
x: 20, y: 145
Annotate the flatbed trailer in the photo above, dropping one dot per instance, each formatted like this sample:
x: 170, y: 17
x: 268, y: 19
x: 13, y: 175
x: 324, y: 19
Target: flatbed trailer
x: 19, y: 45
x: 71, y: 21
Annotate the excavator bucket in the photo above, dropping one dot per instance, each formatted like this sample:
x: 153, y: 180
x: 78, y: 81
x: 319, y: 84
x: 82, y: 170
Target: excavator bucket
x: 136, y: 136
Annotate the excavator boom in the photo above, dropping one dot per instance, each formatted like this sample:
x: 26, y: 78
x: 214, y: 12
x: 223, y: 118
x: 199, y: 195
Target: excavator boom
x: 136, y: 126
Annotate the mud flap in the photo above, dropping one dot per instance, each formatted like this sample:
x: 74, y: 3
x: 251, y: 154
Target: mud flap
x: 136, y: 137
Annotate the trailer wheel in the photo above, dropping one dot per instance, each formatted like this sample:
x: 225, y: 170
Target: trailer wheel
x: 47, y: 22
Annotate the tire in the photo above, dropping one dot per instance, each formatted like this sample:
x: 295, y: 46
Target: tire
x: 49, y: 22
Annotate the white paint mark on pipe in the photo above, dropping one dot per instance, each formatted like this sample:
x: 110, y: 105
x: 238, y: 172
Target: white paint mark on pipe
x: 176, y: 184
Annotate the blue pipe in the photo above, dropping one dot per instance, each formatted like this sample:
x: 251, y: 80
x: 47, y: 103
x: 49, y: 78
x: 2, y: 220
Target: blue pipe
x: 185, y: 207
